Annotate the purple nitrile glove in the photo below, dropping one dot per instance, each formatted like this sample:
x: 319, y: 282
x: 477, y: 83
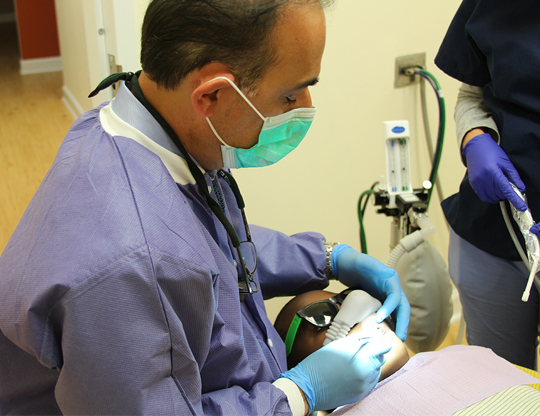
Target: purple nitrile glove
x: 535, y: 229
x: 490, y: 172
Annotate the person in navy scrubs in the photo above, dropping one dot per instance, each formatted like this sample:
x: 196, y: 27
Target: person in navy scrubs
x: 493, y: 48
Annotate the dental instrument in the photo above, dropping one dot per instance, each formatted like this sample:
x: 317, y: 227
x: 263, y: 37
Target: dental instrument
x: 356, y: 307
x: 525, y: 221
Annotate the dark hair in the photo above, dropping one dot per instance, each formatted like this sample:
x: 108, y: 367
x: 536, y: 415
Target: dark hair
x: 180, y: 36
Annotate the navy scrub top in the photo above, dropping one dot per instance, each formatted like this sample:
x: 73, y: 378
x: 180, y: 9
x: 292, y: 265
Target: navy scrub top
x: 495, y: 45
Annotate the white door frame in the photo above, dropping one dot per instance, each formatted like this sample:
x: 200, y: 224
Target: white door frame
x: 112, y: 30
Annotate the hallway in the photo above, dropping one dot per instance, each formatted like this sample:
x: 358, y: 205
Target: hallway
x: 33, y: 122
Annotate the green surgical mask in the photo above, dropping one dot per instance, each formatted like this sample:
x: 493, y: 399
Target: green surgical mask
x: 279, y: 136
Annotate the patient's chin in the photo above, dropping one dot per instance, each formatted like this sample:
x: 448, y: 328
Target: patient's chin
x: 397, y: 356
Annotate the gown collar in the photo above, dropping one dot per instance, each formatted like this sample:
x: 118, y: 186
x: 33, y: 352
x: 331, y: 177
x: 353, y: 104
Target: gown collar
x: 126, y: 116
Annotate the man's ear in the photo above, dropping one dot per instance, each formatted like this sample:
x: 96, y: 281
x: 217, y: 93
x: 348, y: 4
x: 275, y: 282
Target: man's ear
x: 204, y: 98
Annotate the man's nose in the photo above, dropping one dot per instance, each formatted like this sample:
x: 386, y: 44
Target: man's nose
x: 304, y: 101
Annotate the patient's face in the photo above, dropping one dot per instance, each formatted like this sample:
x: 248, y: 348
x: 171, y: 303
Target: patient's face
x: 310, y: 338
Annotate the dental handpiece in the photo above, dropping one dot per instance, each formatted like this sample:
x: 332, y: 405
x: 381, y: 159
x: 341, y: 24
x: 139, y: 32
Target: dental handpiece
x: 356, y: 307
x: 525, y: 221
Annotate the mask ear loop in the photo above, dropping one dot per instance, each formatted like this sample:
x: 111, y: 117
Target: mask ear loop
x: 217, y: 134
x: 242, y: 95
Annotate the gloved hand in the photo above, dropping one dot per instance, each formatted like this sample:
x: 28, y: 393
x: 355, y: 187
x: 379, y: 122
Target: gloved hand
x: 341, y: 372
x: 535, y: 229
x: 490, y: 171
x: 355, y: 269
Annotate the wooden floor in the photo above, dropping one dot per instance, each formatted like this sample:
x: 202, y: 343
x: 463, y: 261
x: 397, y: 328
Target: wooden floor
x: 33, y: 122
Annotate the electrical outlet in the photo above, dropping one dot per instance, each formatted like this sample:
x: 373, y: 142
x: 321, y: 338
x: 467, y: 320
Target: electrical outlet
x: 408, y: 61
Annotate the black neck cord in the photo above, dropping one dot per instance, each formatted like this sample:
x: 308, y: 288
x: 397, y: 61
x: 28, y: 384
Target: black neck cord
x: 193, y: 168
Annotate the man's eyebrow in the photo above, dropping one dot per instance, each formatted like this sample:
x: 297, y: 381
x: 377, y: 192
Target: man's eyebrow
x: 305, y: 84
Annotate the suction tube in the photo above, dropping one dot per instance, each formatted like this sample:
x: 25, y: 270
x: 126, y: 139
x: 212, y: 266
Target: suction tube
x: 442, y: 124
x: 356, y: 307
x: 532, y: 269
x: 411, y: 241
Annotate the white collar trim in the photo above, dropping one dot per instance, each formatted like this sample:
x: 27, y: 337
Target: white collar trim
x: 176, y: 165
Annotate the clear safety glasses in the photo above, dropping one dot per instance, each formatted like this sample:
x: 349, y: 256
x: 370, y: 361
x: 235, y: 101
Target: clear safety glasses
x: 320, y: 314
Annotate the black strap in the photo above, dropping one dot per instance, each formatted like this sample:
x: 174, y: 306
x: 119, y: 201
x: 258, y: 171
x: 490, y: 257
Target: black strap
x: 239, y: 200
x: 110, y: 80
x: 193, y: 168
x: 234, y: 186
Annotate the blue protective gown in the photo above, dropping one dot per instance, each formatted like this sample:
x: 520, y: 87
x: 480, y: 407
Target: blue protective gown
x: 118, y: 289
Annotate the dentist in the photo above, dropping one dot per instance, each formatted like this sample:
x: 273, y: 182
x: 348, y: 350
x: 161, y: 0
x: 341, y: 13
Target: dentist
x: 133, y: 284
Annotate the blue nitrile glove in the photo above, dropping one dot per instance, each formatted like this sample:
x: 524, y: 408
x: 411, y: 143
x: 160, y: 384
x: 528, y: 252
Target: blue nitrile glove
x: 490, y: 172
x: 341, y: 372
x: 535, y: 229
x: 355, y: 269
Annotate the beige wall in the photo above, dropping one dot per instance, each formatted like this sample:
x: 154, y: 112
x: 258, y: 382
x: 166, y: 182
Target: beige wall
x: 73, y: 49
x: 317, y: 186
x: 82, y: 47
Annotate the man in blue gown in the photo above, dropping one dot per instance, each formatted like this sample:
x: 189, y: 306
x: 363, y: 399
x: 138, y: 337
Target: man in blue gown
x: 128, y: 286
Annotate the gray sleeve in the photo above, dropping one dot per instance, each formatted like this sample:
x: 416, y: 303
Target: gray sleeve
x: 471, y: 112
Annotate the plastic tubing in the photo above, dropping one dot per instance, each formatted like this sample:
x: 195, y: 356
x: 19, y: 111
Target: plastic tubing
x: 506, y: 216
x: 427, y: 229
x: 356, y: 307
x: 442, y: 124
x: 395, y: 255
x: 527, y: 291
x: 411, y: 241
x: 363, y: 242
